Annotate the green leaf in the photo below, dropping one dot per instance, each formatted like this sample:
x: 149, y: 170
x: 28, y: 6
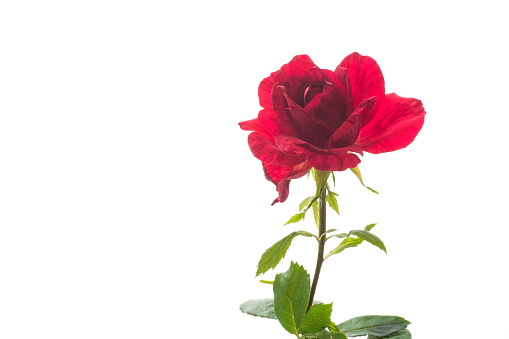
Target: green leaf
x: 338, y: 335
x: 333, y: 328
x: 270, y: 282
x: 346, y: 243
x: 405, y: 334
x: 371, y: 238
x: 259, y: 308
x: 291, y: 295
x: 357, y: 173
x: 316, y: 319
x: 296, y: 218
x: 273, y: 255
x: 316, y: 215
x: 376, y: 325
x: 305, y: 203
x: 372, y: 190
x: 369, y: 227
x: 331, y: 200
x: 324, y: 334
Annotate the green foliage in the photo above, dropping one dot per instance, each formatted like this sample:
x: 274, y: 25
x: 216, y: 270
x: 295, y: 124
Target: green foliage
x: 404, y: 334
x: 316, y: 319
x: 270, y: 282
x: 324, y: 334
x: 296, y: 218
x: 316, y: 215
x: 291, y: 295
x: 321, y: 180
x: 369, y: 227
x: 346, y: 243
x: 370, y: 237
x: 374, y: 325
x: 361, y: 235
x: 273, y: 255
x: 305, y: 203
x: 372, y: 190
x: 331, y: 200
x: 259, y: 308
x: 357, y: 173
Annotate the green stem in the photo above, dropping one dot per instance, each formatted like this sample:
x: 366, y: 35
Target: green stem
x: 322, y: 227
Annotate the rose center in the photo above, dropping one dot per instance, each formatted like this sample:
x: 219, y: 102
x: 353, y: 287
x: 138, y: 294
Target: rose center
x: 310, y: 92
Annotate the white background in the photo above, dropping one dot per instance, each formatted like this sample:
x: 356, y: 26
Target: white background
x: 131, y: 206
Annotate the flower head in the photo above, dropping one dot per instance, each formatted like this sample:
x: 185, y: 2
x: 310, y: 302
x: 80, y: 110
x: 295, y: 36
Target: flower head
x: 314, y: 117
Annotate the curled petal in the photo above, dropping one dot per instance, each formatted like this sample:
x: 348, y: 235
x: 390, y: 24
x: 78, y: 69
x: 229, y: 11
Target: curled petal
x: 265, y: 87
x: 265, y: 124
x: 395, y: 126
x: 330, y: 108
x: 265, y: 150
x: 338, y: 159
x: 340, y: 80
x: 264, y: 90
x: 294, y: 68
x: 367, y: 80
x: 281, y: 175
x: 307, y: 126
x: 348, y: 132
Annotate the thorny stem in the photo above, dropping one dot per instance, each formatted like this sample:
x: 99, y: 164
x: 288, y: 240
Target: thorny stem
x: 322, y: 227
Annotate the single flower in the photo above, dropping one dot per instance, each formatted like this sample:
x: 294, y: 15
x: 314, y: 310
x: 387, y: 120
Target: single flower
x: 314, y: 117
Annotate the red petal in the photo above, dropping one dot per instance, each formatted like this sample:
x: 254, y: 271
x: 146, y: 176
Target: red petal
x: 338, y: 159
x: 367, y: 80
x: 332, y: 108
x: 341, y: 81
x: 307, y: 126
x: 348, y: 132
x: 265, y: 123
x: 265, y: 150
x: 280, y: 105
x: 395, y: 125
x: 264, y: 90
x: 265, y: 87
x: 295, y: 67
x: 281, y: 176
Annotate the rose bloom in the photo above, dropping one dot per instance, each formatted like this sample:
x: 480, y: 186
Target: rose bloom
x: 314, y: 117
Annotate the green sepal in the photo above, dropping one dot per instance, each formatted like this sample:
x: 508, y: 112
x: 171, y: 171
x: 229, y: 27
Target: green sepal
x: 375, y: 325
x: 357, y: 173
x: 316, y: 319
x: 273, y: 255
x: 333, y: 179
x: 346, y: 243
x: 370, y: 227
x: 321, y: 180
x: 291, y: 295
x: 316, y: 215
x: 404, y: 334
x: 296, y: 218
x: 370, y: 237
x: 331, y: 200
x: 259, y: 308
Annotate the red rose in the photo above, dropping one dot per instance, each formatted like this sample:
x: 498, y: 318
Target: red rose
x: 314, y: 117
